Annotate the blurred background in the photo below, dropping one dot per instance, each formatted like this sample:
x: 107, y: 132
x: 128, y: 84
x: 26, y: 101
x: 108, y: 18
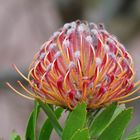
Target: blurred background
x: 25, y: 25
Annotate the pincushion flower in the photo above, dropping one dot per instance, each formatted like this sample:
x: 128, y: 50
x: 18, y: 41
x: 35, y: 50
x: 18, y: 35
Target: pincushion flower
x: 81, y: 62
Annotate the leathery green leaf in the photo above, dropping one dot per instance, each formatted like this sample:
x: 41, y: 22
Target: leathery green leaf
x: 31, y: 126
x: 118, y: 110
x: 75, y: 121
x: 47, y: 126
x: 116, y: 128
x: 53, y: 119
x: 102, y: 120
x: 82, y: 134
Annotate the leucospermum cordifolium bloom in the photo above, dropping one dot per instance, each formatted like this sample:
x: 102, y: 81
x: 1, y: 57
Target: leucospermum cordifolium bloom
x: 81, y: 62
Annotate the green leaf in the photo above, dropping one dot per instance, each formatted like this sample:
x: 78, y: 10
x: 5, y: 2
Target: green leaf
x: 14, y: 136
x: 102, y: 120
x: 75, y: 121
x: 82, y: 134
x: 135, y: 134
x: 31, y: 126
x: 118, y: 110
x: 116, y: 128
x: 53, y: 119
x: 47, y: 126
x: 36, y: 112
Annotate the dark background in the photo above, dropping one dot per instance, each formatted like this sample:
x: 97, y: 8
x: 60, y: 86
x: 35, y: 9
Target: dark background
x: 26, y: 24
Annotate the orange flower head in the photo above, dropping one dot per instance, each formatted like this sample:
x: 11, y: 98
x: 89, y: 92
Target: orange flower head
x: 81, y: 62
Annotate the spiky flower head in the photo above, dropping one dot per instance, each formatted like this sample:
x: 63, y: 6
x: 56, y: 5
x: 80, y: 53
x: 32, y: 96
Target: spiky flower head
x: 82, y: 62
